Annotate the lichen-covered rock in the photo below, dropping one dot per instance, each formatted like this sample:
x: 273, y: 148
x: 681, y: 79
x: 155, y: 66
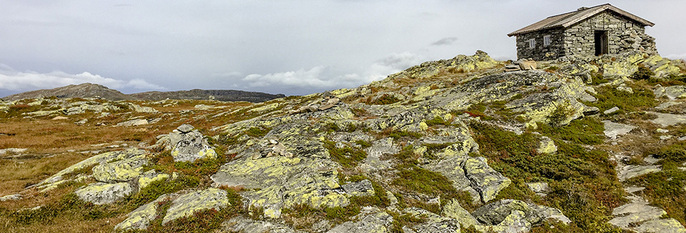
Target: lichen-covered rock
x: 245, y: 225
x: 433, y: 223
x: 121, y: 170
x: 541, y: 94
x: 546, y: 146
x: 454, y: 210
x: 487, y: 181
x: 104, y: 193
x: 370, y: 220
x: 472, y: 175
x: 360, y: 188
x: 278, y: 182
x: 51, y: 182
x: 671, y: 92
x: 150, y: 176
x: 140, y: 218
x: 186, y: 144
x: 187, y: 204
x: 515, y: 216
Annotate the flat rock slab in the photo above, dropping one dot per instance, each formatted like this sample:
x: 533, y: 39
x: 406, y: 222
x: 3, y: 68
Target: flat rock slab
x: 187, y: 204
x: 612, y: 130
x: 641, y: 217
x: 666, y: 119
x: 242, y: 224
x: 140, y: 218
x: 631, y: 171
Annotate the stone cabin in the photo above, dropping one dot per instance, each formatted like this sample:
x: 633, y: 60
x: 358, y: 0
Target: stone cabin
x: 588, y: 31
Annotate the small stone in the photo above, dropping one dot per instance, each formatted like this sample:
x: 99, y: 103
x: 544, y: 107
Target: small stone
x: 136, y: 122
x: 360, y: 188
x: 60, y: 118
x: 540, y: 188
x: 11, y: 197
x: 611, y: 110
x: 185, y: 128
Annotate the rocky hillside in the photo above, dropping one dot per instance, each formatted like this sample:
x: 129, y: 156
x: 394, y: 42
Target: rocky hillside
x: 584, y: 145
x: 84, y: 90
x: 89, y: 90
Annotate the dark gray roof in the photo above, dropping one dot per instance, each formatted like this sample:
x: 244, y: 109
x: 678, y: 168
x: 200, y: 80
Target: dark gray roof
x: 568, y: 19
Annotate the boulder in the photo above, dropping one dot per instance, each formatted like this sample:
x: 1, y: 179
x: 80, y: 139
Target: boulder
x: 104, y: 193
x: 434, y: 223
x: 371, y: 219
x: 186, y: 144
x: 187, y: 204
x: 515, y: 216
x: 52, y: 181
x: 487, y: 181
x: 277, y: 182
x: 140, y: 218
x: 121, y: 170
x: 246, y: 225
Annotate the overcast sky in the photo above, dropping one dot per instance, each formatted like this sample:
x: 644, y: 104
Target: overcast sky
x: 292, y: 47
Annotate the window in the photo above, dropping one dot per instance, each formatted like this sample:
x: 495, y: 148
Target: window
x: 532, y: 43
x: 546, y: 40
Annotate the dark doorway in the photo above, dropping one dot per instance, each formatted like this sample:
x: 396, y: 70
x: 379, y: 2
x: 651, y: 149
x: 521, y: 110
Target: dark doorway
x: 600, y: 43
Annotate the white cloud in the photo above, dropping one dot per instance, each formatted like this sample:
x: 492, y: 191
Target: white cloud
x: 13, y: 80
x: 322, y: 78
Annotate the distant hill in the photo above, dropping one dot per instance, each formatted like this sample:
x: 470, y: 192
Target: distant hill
x: 84, y: 90
x: 89, y: 90
x: 197, y: 94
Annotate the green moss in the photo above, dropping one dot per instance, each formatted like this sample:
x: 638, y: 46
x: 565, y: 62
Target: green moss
x: 258, y: 132
x: 404, y: 134
x: 561, y: 113
x: 384, y: 99
x: 157, y: 188
x: 642, y: 73
x: 363, y: 143
x: 347, y: 156
x: 586, y: 130
x: 609, y: 97
x: 416, y: 179
x: 437, y: 121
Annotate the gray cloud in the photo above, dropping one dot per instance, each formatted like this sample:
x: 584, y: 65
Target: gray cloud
x: 444, y: 41
x: 267, y: 45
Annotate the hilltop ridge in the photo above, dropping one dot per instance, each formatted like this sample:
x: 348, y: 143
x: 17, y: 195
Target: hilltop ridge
x: 89, y: 90
x: 592, y: 144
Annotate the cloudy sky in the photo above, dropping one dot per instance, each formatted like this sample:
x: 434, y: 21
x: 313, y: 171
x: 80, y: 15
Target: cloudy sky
x: 287, y: 46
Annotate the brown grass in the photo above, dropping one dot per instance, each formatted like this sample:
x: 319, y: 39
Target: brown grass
x: 56, y: 144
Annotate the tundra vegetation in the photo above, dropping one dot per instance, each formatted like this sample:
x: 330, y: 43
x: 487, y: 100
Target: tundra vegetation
x: 454, y: 145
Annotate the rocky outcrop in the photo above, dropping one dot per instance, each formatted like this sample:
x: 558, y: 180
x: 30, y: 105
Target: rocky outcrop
x: 189, y: 203
x: 104, y: 193
x: 186, y: 144
x: 369, y: 220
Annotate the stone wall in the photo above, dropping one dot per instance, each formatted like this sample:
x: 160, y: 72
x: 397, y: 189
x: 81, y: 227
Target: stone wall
x: 624, y: 35
x: 540, y: 52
